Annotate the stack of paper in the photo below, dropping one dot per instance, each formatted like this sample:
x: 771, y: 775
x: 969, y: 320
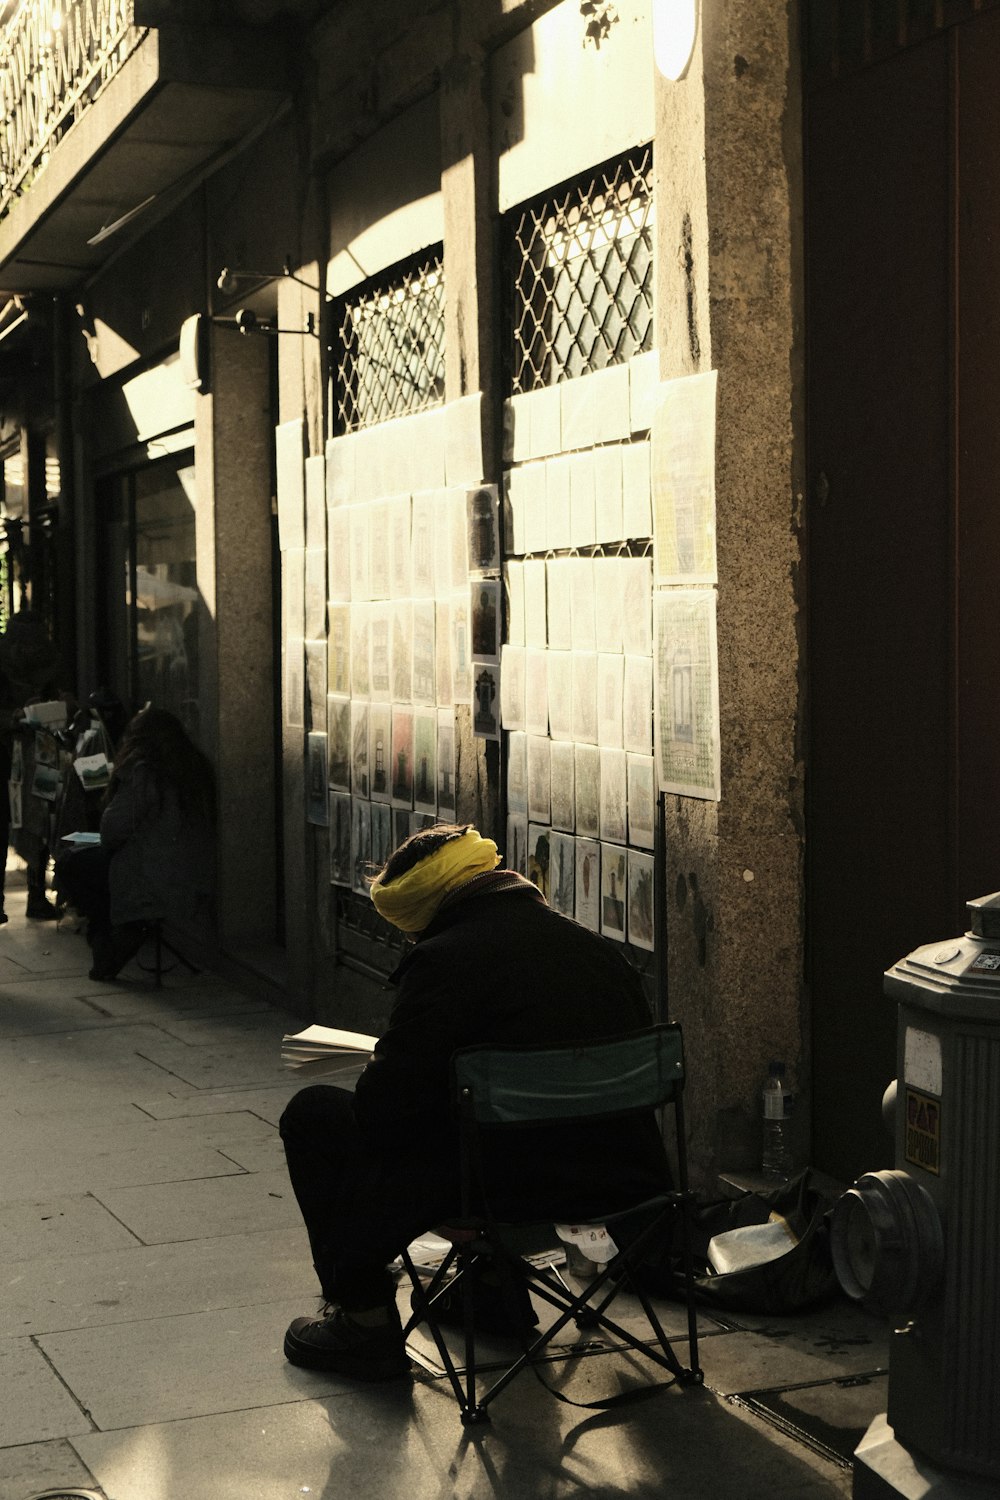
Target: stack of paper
x: 320, y: 1048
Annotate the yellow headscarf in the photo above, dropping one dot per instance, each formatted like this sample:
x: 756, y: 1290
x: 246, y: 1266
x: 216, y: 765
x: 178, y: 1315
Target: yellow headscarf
x: 410, y: 902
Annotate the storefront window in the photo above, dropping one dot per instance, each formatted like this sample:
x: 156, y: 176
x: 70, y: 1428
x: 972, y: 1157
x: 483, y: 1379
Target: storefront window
x: 162, y: 593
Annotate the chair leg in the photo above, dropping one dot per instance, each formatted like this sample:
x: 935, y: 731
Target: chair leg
x: 160, y: 943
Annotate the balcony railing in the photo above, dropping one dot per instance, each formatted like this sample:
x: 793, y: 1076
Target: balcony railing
x: 56, y: 57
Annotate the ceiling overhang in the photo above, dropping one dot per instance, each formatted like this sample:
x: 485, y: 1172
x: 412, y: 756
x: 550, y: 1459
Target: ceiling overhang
x: 177, y: 106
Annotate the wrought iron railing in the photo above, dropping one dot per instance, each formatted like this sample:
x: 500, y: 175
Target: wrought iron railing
x: 56, y: 57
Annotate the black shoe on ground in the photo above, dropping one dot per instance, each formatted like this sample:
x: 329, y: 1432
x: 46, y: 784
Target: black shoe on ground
x: 3, y: 916
x: 339, y: 1346
x: 40, y: 910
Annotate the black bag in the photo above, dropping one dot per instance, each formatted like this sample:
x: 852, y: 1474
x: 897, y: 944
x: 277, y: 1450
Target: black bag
x: 803, y: 1277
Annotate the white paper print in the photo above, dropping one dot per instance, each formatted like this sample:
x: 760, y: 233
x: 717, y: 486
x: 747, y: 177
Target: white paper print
x: 609, y: 579
x: 485, y: 610
x: 583, y: 604
x: 360, y: 578
x: 640, y: 900
x: 486, y: 700
x: 610, y: 679
x: 637, y: 504
x: 315, y: 492
x: 559, y: 604
x: 483, y: 514
x: 535, y: 625
x: 562, y: 872
x: 536, y: 691
x: 340, y: 453
x: 637, y: 605
x: 587, y: 789
x: 595, y: 408
x: 360, y: 650
x: 533, y: 483
x: 641, y: 800
x: 461, y: 659
x: 423, y: 521
x: 558, y: 528
x: 643, y: 381
x: 585, y: 697
x: 512, y: 687
x: 517, y: 773
x: 613, y: 892
x: 514, y: 580
x: 582, y: 500
x: 360, y: 747
x: 686, y: 691
x: 425, y: 737
x: 515, y: 855
x: 458, y: 525
x: 463, y: 440
x: 562, y: 767
x: 339, y: 555
x: 614, y: 796
x: 683, y: 475
x: 379, y: 750
x: 608, y: 494
x: 447, y: 778
x: 317, y: 807
x: 424, y: 680
x: 289, y: 453
x: 295, y: 682
x: 560, y: 682
x: 538, y: 856
x: 340, y: 838
x: 380, y: 678
x: 338, y: 725
x: 361, y: 845
x: 587, y: 893
x: 401, y: 650
x: 539, y: 774
x: 637, y: 706
x: 442, y: 653
x: 339, y: 654
x: 400, y: 548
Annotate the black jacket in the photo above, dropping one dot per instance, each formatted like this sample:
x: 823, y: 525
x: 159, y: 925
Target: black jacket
x: 504, y: 968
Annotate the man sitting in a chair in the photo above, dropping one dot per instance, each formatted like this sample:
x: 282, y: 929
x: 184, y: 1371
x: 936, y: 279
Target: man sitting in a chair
x: 491, y: 964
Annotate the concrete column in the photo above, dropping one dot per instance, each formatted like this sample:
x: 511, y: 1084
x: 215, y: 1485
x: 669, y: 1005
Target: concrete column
x: 233, y: 528
x: 728, y: 251
x: 472, y: 317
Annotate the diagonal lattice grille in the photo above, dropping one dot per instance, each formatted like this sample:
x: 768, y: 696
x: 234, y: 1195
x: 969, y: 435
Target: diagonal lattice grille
x: 580, y: 270
x: 390, y: 340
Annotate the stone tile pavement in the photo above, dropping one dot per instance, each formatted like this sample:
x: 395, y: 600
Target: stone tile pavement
x: 151, y: 1257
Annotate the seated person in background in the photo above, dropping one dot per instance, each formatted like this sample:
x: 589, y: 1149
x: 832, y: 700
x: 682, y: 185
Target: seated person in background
x: 156, y: 852
x: 493, y: 964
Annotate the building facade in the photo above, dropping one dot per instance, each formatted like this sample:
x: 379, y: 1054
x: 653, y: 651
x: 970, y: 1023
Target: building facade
x: 416, y: 400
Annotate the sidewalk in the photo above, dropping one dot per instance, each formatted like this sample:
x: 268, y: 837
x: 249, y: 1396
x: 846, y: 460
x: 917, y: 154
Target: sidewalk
x: 152, y: 1256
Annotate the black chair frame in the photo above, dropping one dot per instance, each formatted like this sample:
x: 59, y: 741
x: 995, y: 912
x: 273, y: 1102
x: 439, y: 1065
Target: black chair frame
x: 653, y: 1076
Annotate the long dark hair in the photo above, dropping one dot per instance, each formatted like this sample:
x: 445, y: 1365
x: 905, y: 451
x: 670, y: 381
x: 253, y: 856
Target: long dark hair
x: 156, y: 739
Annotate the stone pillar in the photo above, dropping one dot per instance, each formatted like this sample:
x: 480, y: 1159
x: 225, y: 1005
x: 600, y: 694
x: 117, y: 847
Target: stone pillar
x: 728, y: 251
x: 233, y: 528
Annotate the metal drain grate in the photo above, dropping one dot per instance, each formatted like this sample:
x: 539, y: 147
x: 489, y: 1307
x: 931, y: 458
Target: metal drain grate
x: 63, y: 1494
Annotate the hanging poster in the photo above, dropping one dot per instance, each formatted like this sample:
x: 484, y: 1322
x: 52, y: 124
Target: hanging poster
x: 683, y: 480
x: 338, y: 720
x: 686, y: 692
x: 562, y: 873
x: 486, y: 700
x: 516, y: 852
x: 640, y: 900
x: 425, y: 777
x: 587, y: 886
x: 563, y: 789
x: 538, y: 856
x: 340, y: 838
x: 401, y: 765
x: 613, y: 892
x: 483, y: 520
x: 446, y: 763
x: 379, y: 750
x: 360, y: 747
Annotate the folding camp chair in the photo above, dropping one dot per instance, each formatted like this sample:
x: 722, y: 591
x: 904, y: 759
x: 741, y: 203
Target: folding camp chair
x: 504, y: 1087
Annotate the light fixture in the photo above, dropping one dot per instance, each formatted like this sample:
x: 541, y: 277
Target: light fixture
x: 229, y: 279
x: 675, y: 26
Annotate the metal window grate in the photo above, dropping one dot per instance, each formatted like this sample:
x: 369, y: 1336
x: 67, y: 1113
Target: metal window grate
x: 579, y: 266
x: 390, y: 344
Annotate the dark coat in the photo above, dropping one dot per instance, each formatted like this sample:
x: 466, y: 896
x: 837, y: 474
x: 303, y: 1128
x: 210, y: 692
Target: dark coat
x: 504, y: 968
x: 160, y: 855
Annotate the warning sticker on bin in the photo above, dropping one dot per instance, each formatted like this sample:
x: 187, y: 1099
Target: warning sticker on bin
x: 923, y: 1131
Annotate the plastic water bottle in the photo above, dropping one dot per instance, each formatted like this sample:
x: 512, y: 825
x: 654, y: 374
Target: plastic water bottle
x: 776, y: 1161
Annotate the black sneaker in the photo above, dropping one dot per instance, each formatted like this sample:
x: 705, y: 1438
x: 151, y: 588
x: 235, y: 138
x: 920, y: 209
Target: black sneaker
x: 339, y: 1346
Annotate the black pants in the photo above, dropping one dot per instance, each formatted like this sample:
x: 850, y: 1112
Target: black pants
x: 81, y: 878
x: 360, y: 1209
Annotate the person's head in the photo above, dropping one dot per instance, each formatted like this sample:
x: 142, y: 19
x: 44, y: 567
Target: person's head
x: 157, y: 738
x: 428, y: 865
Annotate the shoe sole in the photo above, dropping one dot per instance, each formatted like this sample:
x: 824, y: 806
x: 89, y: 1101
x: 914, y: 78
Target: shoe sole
x: 306, y: 1357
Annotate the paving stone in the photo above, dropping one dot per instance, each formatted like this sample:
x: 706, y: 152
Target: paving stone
x: 407, y: 1439
x: 57, y: 1294
x: 34, y: 1404
x: 59, y: 1226
x: 36, y: 1467
x: 268, y: 1103
x: 787, y: 1353
x: 198, y: 1210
